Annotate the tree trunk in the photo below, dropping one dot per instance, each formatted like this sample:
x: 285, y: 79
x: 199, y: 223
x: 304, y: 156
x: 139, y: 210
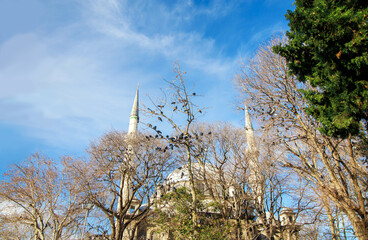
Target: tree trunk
x: 194, y: 195
x: 331, y: 220
x: 361, y: 228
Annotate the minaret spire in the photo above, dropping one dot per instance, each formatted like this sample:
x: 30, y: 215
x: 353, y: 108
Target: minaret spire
x: 134, y: 116
x: 126, y: 179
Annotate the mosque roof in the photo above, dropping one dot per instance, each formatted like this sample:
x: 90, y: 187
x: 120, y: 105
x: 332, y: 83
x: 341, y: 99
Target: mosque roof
x: 8, y: 208
x: 181, y: 173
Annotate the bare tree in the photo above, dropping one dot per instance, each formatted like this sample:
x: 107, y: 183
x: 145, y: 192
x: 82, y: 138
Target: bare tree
x: 226, y: 176
x: 41, y: 197
x: 332, y: 166
x: 221, y: 152
x: 178, y: 109
x: 283, y: 195
x: 115, y: 157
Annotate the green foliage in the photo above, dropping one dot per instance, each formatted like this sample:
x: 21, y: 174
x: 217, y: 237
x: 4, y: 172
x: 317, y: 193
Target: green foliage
x: 175, y: 216
x: 328, y: 48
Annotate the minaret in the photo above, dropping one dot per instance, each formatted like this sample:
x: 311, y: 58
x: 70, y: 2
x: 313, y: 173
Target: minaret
x: 252, y: 153
x: 134, y: 116
x: 126, y: 179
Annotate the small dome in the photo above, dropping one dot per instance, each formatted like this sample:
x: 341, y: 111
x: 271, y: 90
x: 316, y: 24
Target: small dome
x: 8, y: 208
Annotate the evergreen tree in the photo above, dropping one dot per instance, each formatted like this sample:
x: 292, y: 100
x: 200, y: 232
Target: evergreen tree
x: 328, y: 48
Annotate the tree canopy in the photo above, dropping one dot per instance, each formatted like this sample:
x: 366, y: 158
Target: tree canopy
x: 328, y: 48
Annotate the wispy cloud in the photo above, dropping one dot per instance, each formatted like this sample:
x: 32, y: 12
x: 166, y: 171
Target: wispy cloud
x: 70, y: 85
x: 117, y: 19
x: 57, y: 92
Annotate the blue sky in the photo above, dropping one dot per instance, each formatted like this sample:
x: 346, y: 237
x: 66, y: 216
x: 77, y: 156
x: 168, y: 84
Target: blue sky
x: 69, y: 68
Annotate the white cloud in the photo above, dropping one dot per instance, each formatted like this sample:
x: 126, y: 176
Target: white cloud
x: 60, y: 95
x: 72, y: 84
x: 113, y: 18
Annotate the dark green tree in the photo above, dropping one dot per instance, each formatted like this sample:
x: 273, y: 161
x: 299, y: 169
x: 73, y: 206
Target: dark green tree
x: 328, y: 48
x: 174, y: 216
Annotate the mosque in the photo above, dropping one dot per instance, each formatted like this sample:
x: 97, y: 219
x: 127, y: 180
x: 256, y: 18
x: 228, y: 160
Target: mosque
x: 287, y: 228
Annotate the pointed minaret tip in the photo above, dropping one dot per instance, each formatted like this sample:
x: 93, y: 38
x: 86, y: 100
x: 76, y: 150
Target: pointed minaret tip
x: 134, y: 116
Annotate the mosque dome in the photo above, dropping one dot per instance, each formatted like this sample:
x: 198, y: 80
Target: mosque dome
x: 199, y: 172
